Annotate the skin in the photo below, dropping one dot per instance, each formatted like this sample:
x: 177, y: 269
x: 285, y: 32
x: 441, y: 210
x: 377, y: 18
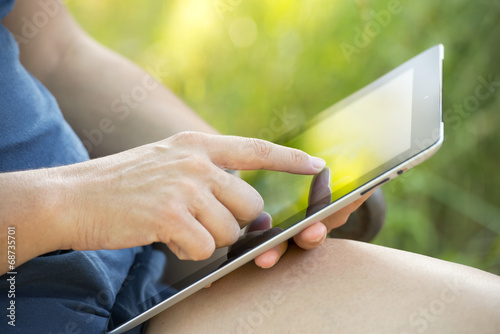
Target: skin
x: 154, y: 178
x: 343, y: 286
x: 149, y: 177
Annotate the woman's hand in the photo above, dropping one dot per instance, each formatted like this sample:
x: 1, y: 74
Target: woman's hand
x: 174, y: 191
x: 314, y: 235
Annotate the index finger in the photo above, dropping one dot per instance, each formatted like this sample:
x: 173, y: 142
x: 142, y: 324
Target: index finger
x: 242, y: 153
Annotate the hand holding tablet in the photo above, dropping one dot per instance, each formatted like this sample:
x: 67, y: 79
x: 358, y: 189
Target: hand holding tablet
x: 367, y: 139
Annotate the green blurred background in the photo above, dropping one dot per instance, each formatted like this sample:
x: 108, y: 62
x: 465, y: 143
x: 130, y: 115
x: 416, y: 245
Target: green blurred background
x: 242, y: 63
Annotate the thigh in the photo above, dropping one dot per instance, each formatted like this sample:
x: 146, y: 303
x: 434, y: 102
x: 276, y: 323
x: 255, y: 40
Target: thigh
x: 343, y: 286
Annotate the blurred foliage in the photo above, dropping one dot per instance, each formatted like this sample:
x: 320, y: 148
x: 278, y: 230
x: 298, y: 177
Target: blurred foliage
x: 240, y: 63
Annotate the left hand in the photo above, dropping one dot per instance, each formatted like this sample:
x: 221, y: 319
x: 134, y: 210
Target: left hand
x: 312, y: 236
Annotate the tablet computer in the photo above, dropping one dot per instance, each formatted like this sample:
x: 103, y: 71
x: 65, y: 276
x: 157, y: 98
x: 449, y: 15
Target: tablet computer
x: 367, y: 139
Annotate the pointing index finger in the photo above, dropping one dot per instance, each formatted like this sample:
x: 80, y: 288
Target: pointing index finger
x: 250, y: 153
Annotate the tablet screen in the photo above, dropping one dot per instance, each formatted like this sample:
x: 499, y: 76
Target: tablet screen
x: 369, y: 133
x: 354, y: 140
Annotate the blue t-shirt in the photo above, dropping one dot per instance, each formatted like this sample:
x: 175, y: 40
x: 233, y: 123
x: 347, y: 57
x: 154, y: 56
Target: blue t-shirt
x: 33, y: 133
x: 70, y: 291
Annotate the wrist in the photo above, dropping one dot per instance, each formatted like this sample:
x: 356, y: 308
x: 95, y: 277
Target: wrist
x: 30, y: 205
x: 54, y: 205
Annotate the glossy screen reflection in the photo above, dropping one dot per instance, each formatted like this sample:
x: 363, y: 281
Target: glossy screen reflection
x: 360, y: 138
x: 355, y: 139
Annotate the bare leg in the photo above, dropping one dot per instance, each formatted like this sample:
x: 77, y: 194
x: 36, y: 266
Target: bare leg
x: 345, y: 287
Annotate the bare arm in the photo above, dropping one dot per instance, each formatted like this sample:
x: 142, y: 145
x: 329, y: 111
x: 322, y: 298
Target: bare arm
x: 111, y: 103
x: 29, y: 204
x: 99, y: 93
x: 173, y: 191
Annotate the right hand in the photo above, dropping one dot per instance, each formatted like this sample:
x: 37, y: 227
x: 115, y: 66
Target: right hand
x: 173, y: 191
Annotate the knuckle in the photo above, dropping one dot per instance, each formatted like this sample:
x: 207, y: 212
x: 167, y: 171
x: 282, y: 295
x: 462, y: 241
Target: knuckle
x: 223, y: 178
x: 258, y: 204
x: 255, y: 207
x: 175, y: 249
x: 199, y: 246
x: 260, y: 147
x: 187, y: 187
x: 298, y: 157
x: 174, y: 216
x: 172, y: 223
x: 230, y: 236
x: 189, y: 138
x: 206, y: 248
x: 200, y: 201
x: 198, y: 164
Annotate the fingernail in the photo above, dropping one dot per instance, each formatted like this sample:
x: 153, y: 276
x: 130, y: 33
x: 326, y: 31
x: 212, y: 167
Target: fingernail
x: 318, y: 163
x: 320, y: 239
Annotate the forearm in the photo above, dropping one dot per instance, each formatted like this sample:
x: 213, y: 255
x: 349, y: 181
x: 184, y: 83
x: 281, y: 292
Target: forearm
x: 112, y: 104
x: 29, y: 205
